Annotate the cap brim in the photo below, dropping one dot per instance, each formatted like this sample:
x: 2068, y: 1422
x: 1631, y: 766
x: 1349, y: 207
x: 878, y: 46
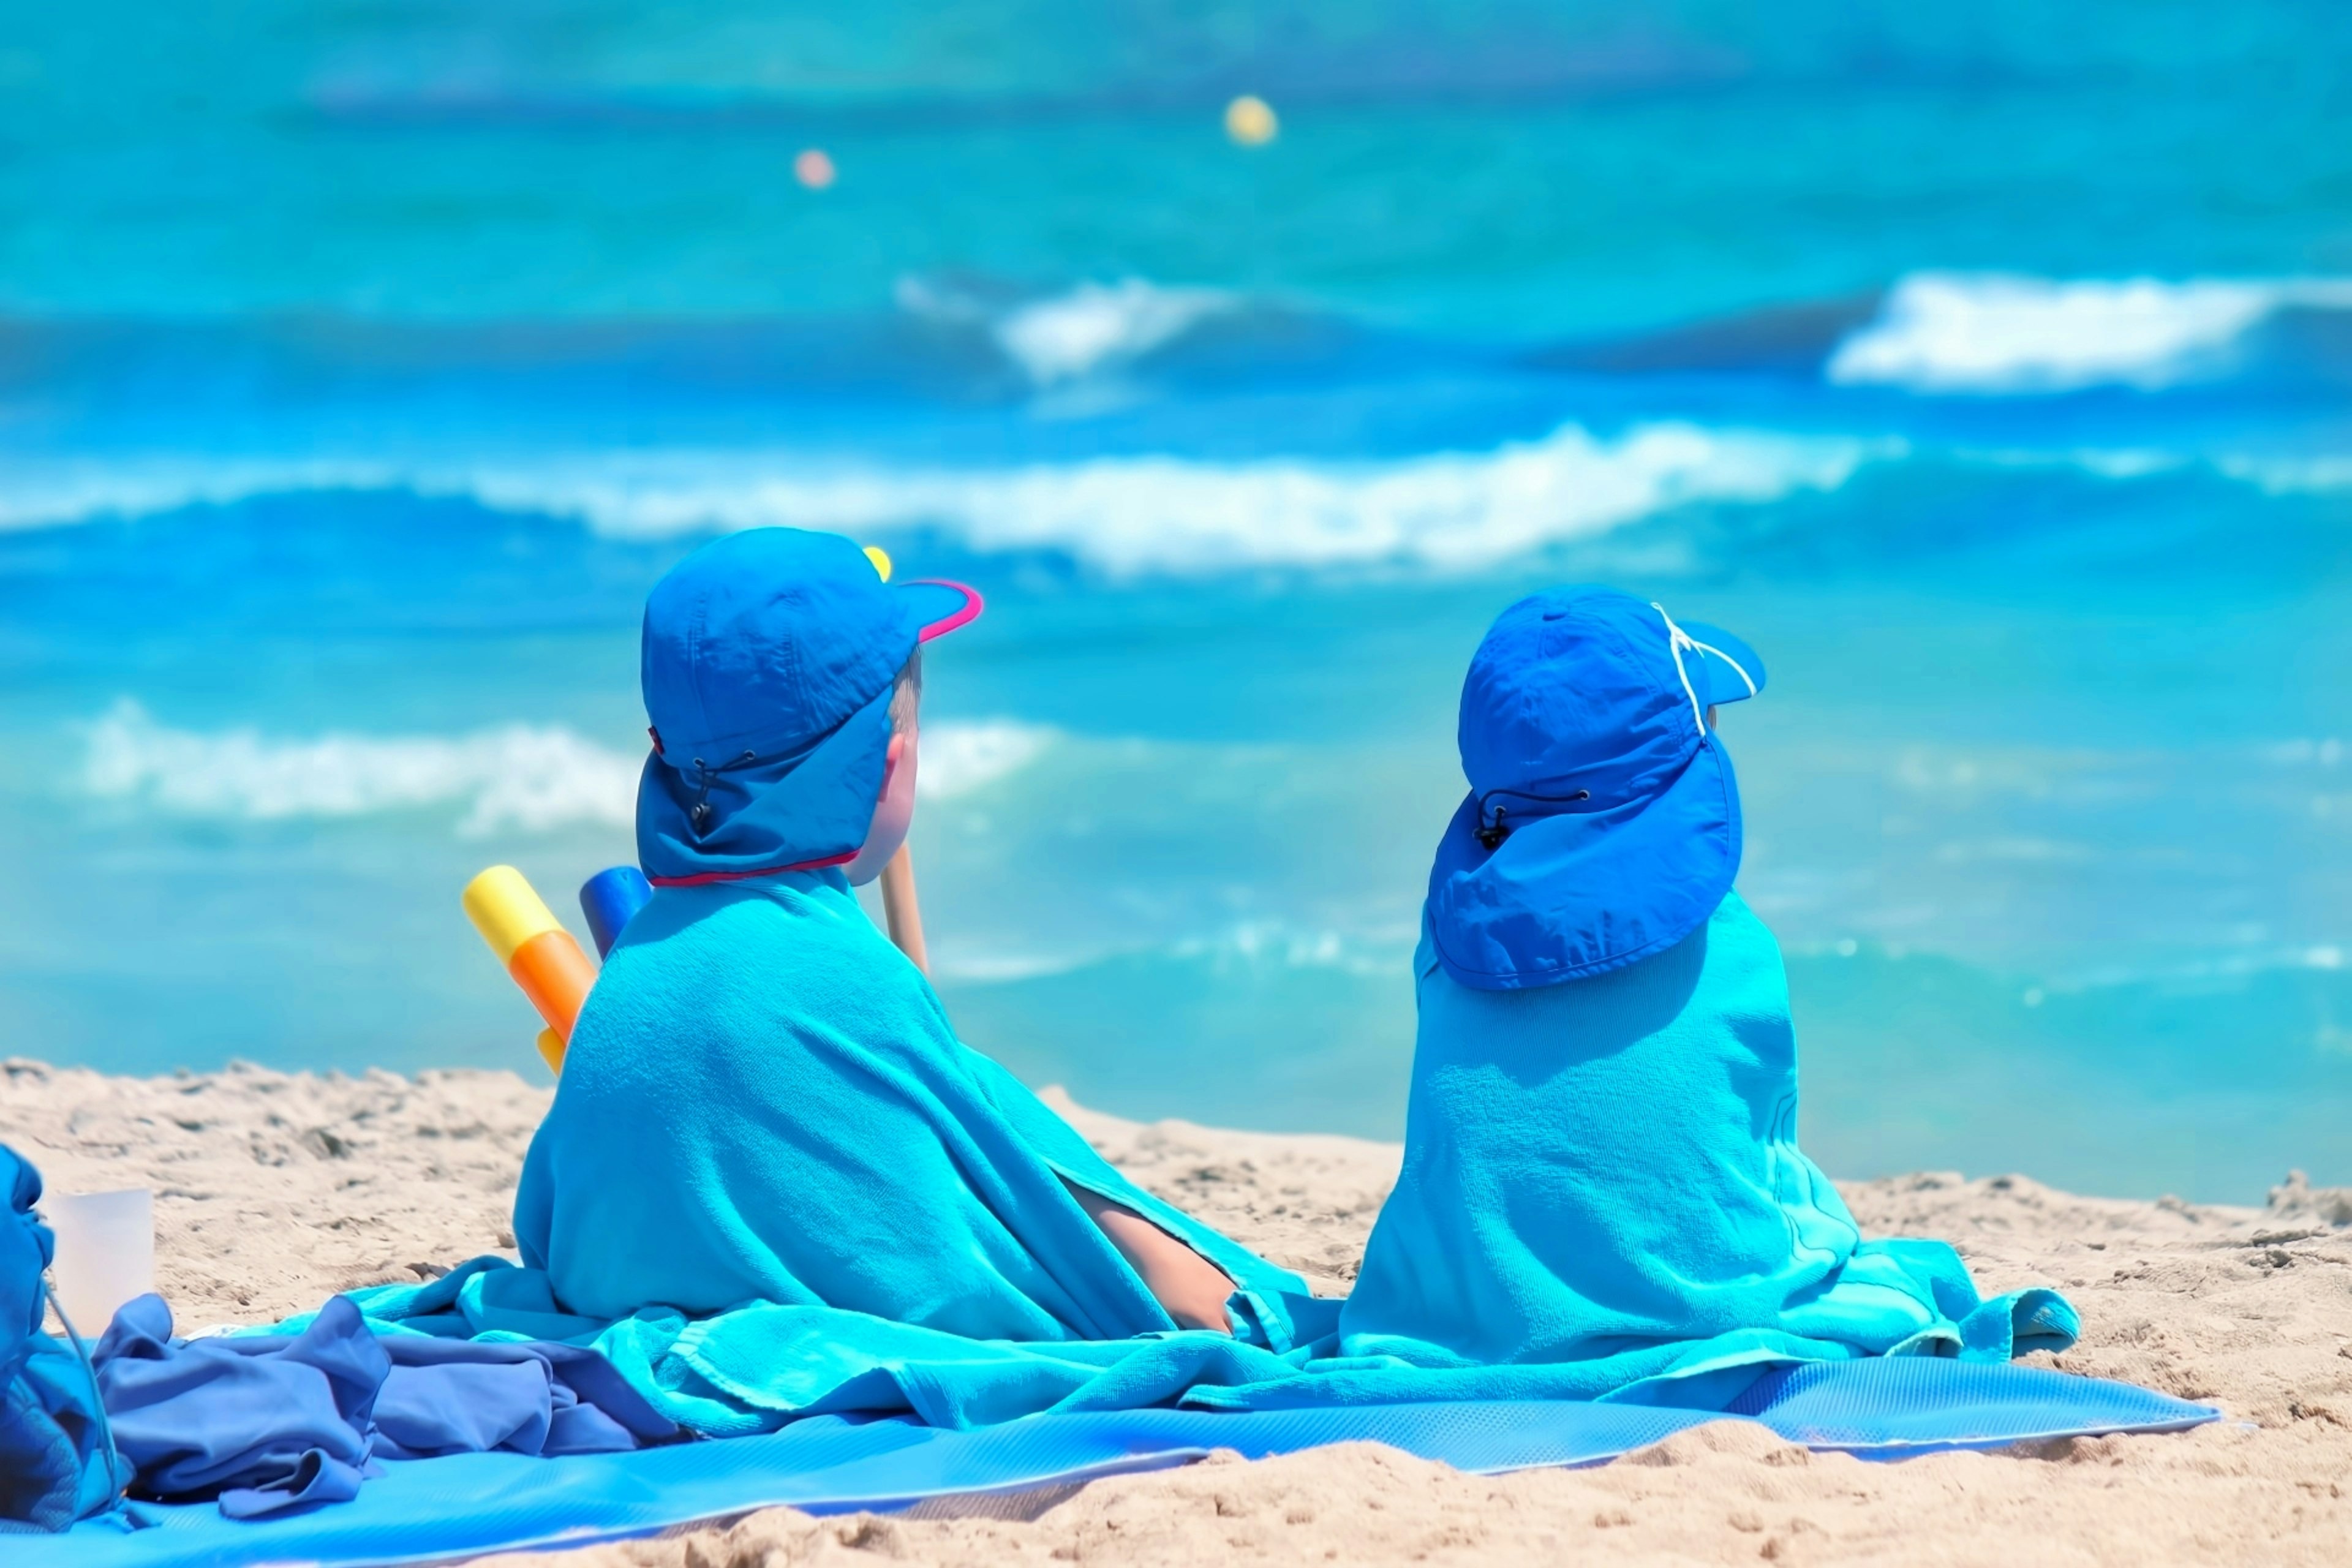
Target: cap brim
x: 1726, y: 670
x: 938, y: 607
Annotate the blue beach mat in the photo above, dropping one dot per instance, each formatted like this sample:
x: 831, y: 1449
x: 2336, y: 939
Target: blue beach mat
x: 428, y: 1510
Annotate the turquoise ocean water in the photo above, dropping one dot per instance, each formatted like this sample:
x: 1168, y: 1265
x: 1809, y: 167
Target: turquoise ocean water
x: 361, y: 367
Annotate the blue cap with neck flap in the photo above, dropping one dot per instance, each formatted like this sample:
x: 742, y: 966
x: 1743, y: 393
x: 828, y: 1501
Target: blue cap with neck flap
x: 1602, y: 823
x: 767, y: 662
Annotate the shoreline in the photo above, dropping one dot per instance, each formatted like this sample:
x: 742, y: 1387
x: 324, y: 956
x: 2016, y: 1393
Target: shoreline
x: 274, y: 1190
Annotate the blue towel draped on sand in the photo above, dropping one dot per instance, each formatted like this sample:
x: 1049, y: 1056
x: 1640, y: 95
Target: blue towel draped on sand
x: 764, y: 1102
x: 853, y: 1213
x: 1601, y: 1178
x: 1672, y: 1268
x: 759, y: 1366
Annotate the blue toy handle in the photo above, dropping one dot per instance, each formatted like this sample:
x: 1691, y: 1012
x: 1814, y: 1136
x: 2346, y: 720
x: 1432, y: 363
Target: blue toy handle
x: 608, y: 899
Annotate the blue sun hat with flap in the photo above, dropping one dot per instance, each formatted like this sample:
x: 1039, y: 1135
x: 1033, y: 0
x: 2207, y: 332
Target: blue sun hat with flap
x: 1603, y: 822
x: 768, y: 663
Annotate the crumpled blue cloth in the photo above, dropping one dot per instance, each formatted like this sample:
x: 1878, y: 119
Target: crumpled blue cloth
x: 764, y: 1102
x: 761, y: 1364
x: 268, y: 1422
x: 1602, y: 1175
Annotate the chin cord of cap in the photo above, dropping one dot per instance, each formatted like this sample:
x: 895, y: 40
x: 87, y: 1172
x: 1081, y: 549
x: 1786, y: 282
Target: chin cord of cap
x: 1738, y: 668
x: 1678, y: 639
x: 699, y: 814
x: 1492, y: 834
x: 116, y: 1469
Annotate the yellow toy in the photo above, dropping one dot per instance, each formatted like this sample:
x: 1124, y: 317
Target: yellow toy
x: 538, y: 952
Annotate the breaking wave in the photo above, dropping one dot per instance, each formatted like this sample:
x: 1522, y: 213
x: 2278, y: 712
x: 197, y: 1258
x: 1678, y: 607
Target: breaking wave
x: 1994, y: 334
x: 960, y: 758
x: 514, y: 778
x: 523, y: 776
x: 1125, y: 515
x: 1060, y: 338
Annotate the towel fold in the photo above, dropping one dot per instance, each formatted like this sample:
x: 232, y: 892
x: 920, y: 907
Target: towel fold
x: 846, y: 1212
x: 1601, y: 1179
x: 764, y: 1102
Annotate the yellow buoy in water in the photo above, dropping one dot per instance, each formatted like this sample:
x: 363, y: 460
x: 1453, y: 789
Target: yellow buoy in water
x: 1250, y: 121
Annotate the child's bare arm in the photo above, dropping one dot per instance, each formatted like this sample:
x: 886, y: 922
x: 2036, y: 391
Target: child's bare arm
x: 1191, y: 1288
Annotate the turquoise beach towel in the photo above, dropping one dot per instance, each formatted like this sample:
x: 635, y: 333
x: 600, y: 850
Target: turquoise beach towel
x: 765, y: 1110
x: 851, y: 1213
x: 763, y: 1100
x: 1601, y: 1178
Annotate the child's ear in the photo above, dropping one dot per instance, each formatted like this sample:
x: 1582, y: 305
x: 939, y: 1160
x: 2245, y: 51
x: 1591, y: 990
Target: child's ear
x: 890, y: 758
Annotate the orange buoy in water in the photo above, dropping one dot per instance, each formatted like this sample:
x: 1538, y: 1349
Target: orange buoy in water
x: 814, y: 168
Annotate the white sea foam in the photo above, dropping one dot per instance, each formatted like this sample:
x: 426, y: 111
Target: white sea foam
x: 2290, y: 476
x: 2005, y: 333
x: 958, y: 758
x: 1275, y: 943
x: 1098, y: 326
x: 42, y: 493
x: 1092, y: 329
x: 2303, y: 752
x: 952, y: 959
x: 2103, y: 462
x: 1143, y: 514
x: 2269, y: 958
x: 528, y: 777
x: 1251, y: 944
x: 1130, y: 516
x: 1125, y: 515
x: 517, y: 777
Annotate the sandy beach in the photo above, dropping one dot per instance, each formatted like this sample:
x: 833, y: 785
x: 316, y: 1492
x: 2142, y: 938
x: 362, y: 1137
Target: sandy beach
x: 273, y: 1190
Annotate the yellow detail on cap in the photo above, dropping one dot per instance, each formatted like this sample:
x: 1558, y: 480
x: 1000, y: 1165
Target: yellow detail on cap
x: 506, y: 909
x: 881, y: 559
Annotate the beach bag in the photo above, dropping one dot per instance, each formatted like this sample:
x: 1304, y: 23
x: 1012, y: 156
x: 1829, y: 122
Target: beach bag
x: 57, y: 1463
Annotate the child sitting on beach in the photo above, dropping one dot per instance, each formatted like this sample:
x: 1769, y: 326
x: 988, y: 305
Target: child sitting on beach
x: 763, y: 1100
x: 1600, y: 1163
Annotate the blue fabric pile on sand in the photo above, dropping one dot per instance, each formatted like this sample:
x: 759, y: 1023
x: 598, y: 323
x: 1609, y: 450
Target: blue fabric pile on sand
x: 268, y: 1422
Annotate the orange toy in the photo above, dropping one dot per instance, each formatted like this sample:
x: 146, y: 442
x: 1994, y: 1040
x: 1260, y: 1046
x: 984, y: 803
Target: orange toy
x: 541, y: 956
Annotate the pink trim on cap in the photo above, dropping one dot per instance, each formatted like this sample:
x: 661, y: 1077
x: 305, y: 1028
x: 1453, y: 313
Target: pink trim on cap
x: 972, y: 605
x: 702, y: 878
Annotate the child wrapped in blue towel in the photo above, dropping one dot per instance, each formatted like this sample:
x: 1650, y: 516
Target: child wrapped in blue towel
x: 763, y: 1100
x: 1601, y: 1160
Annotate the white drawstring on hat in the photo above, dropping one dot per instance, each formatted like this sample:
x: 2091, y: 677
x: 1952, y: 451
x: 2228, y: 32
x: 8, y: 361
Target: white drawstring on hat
x: 1678, y: 639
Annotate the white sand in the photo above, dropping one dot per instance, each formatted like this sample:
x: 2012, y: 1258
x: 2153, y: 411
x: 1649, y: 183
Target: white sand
x: 272, y: 1191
